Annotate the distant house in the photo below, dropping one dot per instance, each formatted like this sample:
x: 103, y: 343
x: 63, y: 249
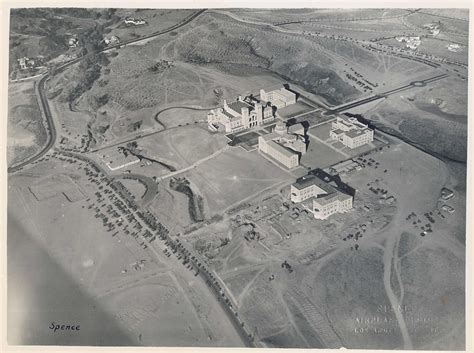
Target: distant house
x: 411, y: 42
x: 26, y: 63
x: 433, y: 28
x: 447, y: 194
x: 454, y: 47
x: 447, y: 208
x: 73, y: 42
x: 112, y: 40
x: 134, y: 21
x: 22, y: 62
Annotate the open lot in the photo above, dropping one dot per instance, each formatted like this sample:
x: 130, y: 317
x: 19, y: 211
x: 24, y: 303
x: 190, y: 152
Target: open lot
x: 321, y: 155
x: 294, y: 110
x: 26, y: 132
x: 136, y: 286
x: 234, y: 176
x: 299, y: 308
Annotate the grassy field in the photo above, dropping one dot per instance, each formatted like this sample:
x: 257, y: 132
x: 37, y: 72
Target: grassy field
x: 294, y: 110
x: 320, y: 155
x: 26, y: 133
x: 182, y: 146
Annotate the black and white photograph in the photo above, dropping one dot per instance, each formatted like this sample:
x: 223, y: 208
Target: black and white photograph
x: 236, y: 177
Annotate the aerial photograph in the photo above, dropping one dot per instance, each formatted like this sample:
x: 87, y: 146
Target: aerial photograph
x: 237, y: 177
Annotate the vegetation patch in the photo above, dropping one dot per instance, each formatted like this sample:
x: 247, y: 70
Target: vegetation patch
x: 196, y: 205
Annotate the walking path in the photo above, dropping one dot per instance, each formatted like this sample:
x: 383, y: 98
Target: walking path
x: 195, y: 164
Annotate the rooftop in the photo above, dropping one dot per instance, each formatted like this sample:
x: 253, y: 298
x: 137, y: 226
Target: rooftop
x: 230, y: 116
x: 270, y: 136
x: 338, y: 131
x: 286, y: 93
x: 292, y: 129
x: 238, y: 105
x: 355, y: 133
x: 308, y: 180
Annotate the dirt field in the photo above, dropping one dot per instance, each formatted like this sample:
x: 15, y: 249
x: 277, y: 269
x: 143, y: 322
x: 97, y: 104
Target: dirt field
x: 26, y: 133
x: 234, y: 176
x: 114, y: 270
x: 434, y: 105
x: 320, y: 251
x: 320, y: 152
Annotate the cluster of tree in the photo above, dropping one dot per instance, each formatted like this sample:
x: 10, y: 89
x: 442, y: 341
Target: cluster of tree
x: 134, y: 126
x: 103, y: 129
x: 99, y: 101
x: 88, y: 73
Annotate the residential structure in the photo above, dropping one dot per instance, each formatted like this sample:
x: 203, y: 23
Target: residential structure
x: 73, y: 42
x: 454, y: 47
x: 134, y: 21
x: 26, y: 63
x: 433, y: 28
x: 112, y: 40
x: 351, y: 132
x: 320, y: 197
x: 279, y: 98
x: 411, y: 42
x: 285, y: 144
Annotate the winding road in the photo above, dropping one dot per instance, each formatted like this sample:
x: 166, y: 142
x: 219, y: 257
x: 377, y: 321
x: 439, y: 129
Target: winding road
x: 43, y: 101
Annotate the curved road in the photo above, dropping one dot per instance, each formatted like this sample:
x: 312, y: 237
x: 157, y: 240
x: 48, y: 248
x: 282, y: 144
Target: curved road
x: 44, y: 105
x: 151, y: 187
x: 169, y: 108
x: 50, y: 129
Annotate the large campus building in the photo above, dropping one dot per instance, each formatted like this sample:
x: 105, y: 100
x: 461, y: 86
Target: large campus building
x: 285, y: 144
x: 351, y: 132
x: 320, y: 197
x: 248, y: 112
x: 279, y: 98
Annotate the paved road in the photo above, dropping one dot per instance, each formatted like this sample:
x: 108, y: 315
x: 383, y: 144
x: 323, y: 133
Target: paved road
x: 412, y: 84
x: 43, y: 101
x: 355, y: 19
x: 50, y: 129
x: 179, y: 107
